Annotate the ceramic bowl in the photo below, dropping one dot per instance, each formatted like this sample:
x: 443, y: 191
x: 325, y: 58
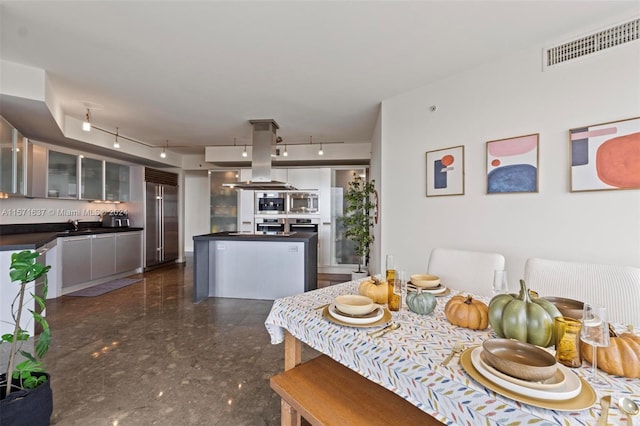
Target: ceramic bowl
x: 425, y: 281
x: 518, y: 359
x: 353, y: 304
x: 567, y: 307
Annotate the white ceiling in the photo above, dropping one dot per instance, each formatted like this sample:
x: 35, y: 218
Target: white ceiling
x: 194, y: 73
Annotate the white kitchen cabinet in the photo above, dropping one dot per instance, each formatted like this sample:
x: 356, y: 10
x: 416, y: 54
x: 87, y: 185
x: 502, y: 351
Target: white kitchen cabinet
x: 75, y: 260
x: 103, y: 255
x: 8, y: 295
x: 325, y: 229
x: 305, y: 179
x: 246, y: 207
x: 128, y: 251
x: 36, y: 170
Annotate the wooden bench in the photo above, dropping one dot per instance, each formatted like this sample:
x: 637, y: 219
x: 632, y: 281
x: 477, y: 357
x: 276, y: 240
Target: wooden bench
x: 324, y: 392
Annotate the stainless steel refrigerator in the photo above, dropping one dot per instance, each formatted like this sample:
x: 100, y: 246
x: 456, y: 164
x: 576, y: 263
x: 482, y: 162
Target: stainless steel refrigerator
x: 161, y: 224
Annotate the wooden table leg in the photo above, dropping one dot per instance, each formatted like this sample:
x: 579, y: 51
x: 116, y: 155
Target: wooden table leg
x: 288, y: 415
x: 292, y: 357
x: 292, y: 351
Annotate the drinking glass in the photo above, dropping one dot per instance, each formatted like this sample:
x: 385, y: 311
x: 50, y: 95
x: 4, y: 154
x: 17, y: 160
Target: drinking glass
x: 390, y: 268
x: 567, y: 339
x: 500, y: 282
x: 400, y: 284
x: 400, y: 288
x: 395, y: 285
x: 595, y: 332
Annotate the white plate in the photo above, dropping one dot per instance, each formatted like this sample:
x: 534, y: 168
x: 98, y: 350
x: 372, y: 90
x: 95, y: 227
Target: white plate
x: 569, y: 389
x: 436, y: 290
x: 377, y: 314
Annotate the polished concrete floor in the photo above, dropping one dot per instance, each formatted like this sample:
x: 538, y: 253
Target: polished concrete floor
x: 146, y: 355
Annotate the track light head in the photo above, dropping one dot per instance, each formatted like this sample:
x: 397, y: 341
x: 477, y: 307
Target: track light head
x: 116, y: 144
x: 86, y: 124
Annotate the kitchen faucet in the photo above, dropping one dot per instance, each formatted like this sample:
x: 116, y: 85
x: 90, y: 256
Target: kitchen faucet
x: 74, y: 223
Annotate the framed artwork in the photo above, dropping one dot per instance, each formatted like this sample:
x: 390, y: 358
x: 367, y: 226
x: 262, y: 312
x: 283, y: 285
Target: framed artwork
x: 445, y: 172
x: 512, y: 164
x: 606, y: 156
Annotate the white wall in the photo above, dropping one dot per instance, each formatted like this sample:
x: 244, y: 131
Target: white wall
x: 509, y: 98
x: 51, y: 210
x: 196, y: 202
x: 375, y: 168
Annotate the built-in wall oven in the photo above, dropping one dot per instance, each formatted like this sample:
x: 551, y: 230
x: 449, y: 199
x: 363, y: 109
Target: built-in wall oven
x: 270, y: 202
x: 269, y: 225
x: 303, y: 224
x: 302, y: 202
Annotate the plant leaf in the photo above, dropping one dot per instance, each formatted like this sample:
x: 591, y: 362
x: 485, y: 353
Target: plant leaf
x: 44, y: 340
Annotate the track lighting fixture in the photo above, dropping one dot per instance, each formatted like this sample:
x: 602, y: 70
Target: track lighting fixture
x: 285, y: 153
x: 244, y: 153
x: 116, y: 144
x: 86, y: 124
x: 320, y: 151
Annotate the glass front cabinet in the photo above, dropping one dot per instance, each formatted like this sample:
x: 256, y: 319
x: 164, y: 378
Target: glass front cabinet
x: 97, y: 179
x: 223, y: 201
x: 91, y: 179
x: 12, y: 159
x: 116, y: 186
x: 63, y: 175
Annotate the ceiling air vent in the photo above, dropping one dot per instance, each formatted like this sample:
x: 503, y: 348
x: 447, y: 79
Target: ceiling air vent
x: 593, y: 43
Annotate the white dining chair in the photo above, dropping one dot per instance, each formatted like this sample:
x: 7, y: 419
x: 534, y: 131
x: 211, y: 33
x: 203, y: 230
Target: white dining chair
x: 465, y: 270
x: 615, y: 287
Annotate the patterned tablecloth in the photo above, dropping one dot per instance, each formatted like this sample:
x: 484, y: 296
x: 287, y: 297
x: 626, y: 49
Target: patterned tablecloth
x: 407, y: 362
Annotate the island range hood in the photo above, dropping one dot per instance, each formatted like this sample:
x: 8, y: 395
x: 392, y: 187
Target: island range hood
x: 263, y: 141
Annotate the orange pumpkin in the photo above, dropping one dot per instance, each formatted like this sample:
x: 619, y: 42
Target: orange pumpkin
x: 374, y: 290
x: 467, y: 312
x: 621, y: 357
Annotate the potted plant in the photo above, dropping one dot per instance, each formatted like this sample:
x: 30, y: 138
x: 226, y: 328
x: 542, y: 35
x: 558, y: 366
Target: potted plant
x: 358, y: 221
x: 25, y: 391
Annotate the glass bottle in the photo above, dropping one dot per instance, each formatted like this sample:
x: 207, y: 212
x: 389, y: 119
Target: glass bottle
x: 393, y: 299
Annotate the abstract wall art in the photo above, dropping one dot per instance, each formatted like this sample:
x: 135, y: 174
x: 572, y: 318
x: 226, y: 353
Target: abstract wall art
x: 445, y: 171
x: 606, y: 156
x: 512, y: 164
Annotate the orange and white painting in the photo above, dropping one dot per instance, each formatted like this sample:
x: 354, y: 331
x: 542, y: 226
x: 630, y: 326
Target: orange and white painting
x: 606, y: 156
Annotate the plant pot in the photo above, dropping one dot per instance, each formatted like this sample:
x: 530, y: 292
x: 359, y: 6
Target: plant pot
x: 26, y: 407
x: 358, y: 275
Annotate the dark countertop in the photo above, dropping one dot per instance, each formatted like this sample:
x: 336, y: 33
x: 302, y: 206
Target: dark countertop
x: 296, y: 236
x: 34, y: 240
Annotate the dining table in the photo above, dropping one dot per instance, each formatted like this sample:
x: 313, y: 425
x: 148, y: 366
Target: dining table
x: 408, y: 362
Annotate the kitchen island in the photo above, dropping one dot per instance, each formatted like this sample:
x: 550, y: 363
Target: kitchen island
x: 254, y: 266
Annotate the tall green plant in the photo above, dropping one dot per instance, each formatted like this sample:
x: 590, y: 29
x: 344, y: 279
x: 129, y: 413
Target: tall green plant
x: 357, y: 219
x: 25, y: 269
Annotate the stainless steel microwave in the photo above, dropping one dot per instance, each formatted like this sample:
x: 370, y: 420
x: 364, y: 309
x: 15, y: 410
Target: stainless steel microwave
x: 302, y: 202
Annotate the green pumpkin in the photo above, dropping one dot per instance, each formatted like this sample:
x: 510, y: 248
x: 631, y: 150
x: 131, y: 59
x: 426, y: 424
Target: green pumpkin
x: 522, y: 317
x: 422, y: 303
